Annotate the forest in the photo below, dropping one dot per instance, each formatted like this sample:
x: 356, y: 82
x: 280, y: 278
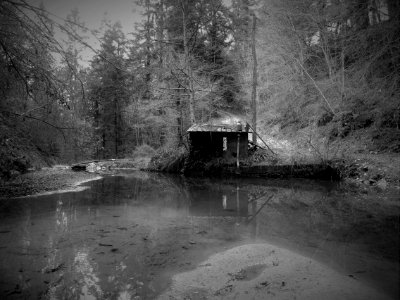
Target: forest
x: 323, y: 71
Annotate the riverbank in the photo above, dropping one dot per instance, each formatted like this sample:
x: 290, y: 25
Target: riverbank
x: 64, y: 178
x: 51, y: 179
x: 254, y: 271
x: 376, y: 171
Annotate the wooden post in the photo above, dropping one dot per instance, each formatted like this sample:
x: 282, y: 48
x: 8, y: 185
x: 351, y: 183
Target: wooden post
x: 253, y: 213
x: 237, y: 152
x: 237, y: 205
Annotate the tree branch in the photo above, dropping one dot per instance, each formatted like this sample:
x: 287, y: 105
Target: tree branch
x: 58, y: 128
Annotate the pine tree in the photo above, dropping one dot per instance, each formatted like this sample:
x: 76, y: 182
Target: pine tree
x: 109, y: 92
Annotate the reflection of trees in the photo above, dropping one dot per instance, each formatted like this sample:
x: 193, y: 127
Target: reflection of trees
x: 330, y: 222
x: 153, y: 189
x: 290, y: 214
x: 256, y: 211
x: 87, y: 282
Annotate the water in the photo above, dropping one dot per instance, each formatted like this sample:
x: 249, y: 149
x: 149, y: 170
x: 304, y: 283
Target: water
x: 126, y: 236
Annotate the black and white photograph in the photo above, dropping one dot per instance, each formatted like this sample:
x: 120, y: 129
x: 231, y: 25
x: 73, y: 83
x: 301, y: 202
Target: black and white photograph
x: 200, y: 149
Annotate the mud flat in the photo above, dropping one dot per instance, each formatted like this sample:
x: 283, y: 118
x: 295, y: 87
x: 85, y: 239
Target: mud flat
x: 46, y: 181
x: 260, y: 271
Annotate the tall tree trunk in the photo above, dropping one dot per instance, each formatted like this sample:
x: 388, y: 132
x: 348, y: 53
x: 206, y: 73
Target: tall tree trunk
x: 179, y: 120
x: 116, y: 131
x: 160, y: 32
x: 103, y: 143
x: 148, y: 51
x: 342, y: 62
x: 254, y: 83
x: 188, y: 68
x: 97, y: 124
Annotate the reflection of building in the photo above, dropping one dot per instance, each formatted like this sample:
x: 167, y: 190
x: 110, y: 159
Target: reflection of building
x: 219, y: 140
x: 219, y: 203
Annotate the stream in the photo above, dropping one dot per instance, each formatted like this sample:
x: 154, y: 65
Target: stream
x: 127, y: 236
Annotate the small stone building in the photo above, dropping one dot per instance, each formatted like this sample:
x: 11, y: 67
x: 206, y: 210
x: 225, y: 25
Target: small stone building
x: 219, y: 140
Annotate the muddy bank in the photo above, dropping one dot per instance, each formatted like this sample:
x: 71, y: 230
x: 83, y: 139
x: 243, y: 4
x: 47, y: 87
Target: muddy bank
x: 260, y: 271
x: 62, y: 178
x: 218, y: 167
x: 110, y: 166
x: 58, y: 178
x: 377, y: 171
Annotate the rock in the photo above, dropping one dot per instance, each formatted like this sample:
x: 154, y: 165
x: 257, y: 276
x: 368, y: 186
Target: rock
x: 382, y: 184
x: 91, y: 167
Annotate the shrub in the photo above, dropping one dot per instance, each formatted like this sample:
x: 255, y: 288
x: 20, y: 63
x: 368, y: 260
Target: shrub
x: 143, y: 150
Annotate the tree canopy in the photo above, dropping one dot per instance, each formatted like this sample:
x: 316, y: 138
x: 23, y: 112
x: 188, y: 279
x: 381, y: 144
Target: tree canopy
x: 190, y: 61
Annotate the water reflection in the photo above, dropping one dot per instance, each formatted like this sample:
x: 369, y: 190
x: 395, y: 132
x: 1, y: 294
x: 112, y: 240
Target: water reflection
x: 223, y: 201
x: 114, y: 240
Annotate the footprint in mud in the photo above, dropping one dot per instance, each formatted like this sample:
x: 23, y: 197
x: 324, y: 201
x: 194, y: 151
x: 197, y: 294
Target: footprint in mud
x: 249, y: 273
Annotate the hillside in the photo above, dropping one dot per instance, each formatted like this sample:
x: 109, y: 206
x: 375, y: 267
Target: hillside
x: 327, y: 91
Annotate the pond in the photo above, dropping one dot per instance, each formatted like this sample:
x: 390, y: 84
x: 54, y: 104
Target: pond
x: 128, y: 236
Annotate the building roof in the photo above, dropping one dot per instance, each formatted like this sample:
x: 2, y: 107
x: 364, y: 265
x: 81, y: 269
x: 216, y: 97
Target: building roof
x: 226, y: 125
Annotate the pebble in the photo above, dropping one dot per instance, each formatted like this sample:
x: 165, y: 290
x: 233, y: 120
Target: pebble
x: 382, y: 184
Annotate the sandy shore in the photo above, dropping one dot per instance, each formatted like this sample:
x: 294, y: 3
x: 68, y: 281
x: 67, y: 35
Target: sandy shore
x: 261, y: 271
